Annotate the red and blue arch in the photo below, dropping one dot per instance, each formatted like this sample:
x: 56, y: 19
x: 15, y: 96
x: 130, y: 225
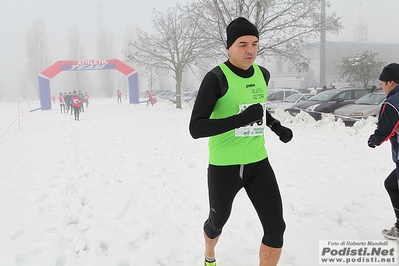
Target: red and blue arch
x: 82, y: 65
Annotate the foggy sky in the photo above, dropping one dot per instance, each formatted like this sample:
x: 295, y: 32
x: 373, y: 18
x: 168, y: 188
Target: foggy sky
x: 16, y: 17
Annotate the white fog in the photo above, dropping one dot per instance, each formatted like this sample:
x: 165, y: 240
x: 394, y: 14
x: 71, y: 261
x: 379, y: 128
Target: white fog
x: 59, y: 16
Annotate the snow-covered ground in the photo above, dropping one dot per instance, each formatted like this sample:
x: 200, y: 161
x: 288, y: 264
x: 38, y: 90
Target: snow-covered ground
x: 126, y: 185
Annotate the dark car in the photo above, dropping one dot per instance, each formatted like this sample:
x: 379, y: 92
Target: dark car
x: 327, y: 101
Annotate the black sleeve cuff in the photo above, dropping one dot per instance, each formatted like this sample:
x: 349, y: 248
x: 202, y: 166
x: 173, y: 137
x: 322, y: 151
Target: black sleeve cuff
x: 270, y: 120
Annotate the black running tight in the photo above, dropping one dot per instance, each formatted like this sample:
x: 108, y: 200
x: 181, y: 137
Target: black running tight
x: 392, y: 186
x: 259, y: 181
x: 76, y: 111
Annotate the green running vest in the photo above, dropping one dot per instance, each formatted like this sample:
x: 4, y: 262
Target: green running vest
x: 246, y: 144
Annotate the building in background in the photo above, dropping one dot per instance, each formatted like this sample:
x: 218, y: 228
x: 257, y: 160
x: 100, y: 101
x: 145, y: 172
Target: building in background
x: 284, y: 74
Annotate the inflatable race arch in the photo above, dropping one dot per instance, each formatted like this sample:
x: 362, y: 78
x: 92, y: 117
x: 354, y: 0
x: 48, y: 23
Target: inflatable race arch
x: 82, y: 65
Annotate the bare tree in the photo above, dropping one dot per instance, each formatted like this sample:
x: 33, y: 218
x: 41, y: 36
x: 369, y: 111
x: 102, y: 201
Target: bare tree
x: 123, y: 86
x: 151, y: 75
x: 285, y: 26
x: 37, y: 51
x: 78, y: 79
x: 105, y: 50
x: 23, y: 89
x: 176, y: 45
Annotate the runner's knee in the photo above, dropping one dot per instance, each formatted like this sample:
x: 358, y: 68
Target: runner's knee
x: 211, y: 230
x: 391, y: 183
x: 273, y: 237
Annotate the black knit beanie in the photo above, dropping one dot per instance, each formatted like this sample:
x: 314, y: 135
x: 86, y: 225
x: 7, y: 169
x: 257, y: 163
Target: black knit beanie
x: 390, y: 72
x: 240, y: 27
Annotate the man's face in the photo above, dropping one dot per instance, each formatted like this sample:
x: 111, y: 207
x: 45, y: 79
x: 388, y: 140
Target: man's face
x: 243, y: 51
x: 387, y: 86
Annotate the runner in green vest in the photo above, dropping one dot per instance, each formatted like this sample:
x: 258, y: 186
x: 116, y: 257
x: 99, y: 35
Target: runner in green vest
x: 230, y: 110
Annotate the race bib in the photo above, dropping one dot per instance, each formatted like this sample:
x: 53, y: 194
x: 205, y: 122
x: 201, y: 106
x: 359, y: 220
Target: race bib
x: 254, y: 129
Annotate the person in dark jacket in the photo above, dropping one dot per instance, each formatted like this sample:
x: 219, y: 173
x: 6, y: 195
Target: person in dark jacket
x: 387, y: 129
x: 76, y: 103
x: 230, y: 110
x: 67, y: 98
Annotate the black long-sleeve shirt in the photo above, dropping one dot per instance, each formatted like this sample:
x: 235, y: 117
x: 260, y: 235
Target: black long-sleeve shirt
x: 214, y: 86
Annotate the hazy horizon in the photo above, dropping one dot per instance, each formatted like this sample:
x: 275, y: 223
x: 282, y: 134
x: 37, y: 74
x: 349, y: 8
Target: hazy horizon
x: 17, y: 16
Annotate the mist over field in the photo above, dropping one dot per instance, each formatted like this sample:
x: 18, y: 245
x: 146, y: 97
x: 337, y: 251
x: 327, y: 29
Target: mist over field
x: 120, y: 17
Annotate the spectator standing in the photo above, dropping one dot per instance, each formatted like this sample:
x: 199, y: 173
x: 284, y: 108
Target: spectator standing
x: 86, y: 97
x: 119, y: 96
x: 62, y: 102
x: 150, y: 98
x: 313, y: 90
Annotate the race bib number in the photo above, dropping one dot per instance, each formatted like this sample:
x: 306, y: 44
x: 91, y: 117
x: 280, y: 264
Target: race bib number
x: 254, y: 129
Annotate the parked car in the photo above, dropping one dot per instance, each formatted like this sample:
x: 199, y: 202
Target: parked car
x: 287, y: 102
x: 186, y: 97
x: 189, y: 96
x: 170, y: 95
x: 327, y: 101
x: 279, y: 94
x: 162, y: 94
x: 366, y: 106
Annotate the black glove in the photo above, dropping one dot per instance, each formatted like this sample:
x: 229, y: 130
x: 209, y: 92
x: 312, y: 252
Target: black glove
x: 252, y: 114
x: 370, y: 142
x: 284, y: 133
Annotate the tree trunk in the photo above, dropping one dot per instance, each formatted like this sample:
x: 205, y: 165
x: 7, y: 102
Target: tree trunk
x: 179, y: 75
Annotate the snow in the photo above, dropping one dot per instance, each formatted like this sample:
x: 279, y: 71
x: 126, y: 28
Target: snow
x: 126, y: 185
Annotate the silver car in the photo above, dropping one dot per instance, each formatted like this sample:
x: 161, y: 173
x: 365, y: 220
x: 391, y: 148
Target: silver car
x: 364, y: 107
x: 279, y: 94
x: 287, y: 102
